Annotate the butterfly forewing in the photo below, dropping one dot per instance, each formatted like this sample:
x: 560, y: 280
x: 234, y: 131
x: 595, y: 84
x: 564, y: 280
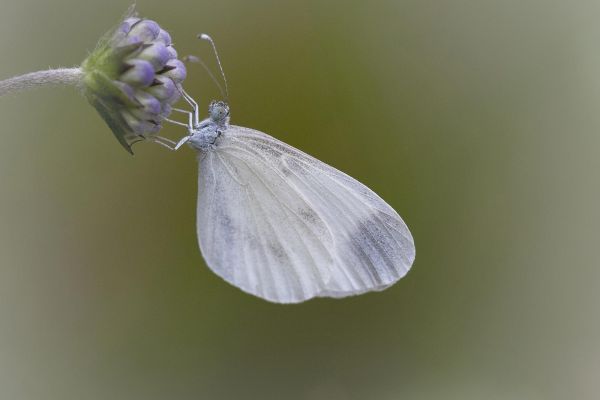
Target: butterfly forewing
x: 286, y: 227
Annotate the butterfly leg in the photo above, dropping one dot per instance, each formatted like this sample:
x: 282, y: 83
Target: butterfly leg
x: 190, y: 124
x: 176, y: 122
x: 193, y: 118
x: 194, y: 106
x: 181, y: 142
x: 168, y: 143
x: 190, y: 127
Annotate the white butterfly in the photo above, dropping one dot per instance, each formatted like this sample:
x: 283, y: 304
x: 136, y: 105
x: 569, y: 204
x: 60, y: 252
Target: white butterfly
x: 284, y: 226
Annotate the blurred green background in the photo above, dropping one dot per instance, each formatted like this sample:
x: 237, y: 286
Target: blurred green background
x: 477, y: 120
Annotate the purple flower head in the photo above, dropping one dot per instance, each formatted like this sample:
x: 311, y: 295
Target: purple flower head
x: 133, y: 77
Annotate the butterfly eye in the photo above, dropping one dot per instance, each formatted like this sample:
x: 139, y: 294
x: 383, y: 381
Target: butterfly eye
x: 218, y: 111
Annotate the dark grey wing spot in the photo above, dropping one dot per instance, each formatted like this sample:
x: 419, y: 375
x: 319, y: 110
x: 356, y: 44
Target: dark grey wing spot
x: 278, y: 252
x: 383, y: 253
x: 309, y: 216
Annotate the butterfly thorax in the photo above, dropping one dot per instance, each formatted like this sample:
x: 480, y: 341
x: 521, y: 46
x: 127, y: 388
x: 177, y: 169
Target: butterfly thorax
x: 204, y: 135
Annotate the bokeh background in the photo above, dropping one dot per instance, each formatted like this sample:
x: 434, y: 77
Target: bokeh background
x: 477, y: 120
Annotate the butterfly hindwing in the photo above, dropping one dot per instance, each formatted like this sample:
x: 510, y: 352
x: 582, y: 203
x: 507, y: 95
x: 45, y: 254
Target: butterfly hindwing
x: 287, y: 227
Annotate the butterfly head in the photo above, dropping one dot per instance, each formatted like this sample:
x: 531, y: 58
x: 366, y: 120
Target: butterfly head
x: 218, y: 112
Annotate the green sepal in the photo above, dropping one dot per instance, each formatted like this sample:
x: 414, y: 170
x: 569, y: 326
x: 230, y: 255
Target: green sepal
x: 116, y: 123
x: 106, y: 88
x: 106, y: 97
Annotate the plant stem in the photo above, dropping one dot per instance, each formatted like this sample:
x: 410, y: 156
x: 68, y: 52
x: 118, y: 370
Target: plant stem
x: 60, y: 76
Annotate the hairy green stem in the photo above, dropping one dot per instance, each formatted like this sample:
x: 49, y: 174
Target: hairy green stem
x: 60, y: 76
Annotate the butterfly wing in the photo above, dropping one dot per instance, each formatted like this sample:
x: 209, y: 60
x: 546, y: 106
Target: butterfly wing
x: 282, y: 225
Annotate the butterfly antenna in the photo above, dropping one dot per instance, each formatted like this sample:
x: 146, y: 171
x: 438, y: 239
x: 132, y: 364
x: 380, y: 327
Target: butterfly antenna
x: 198, y: 60
x: 204, y: 36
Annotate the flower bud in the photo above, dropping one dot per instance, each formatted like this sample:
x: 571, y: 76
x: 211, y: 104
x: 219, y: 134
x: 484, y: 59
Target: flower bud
x: 132, y: 79
x: 162, y: 88
x: 164, y: 37
x: 156, y: 54
x: 145, y: 29
x: 175, y: 70
x: 138, y: 73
